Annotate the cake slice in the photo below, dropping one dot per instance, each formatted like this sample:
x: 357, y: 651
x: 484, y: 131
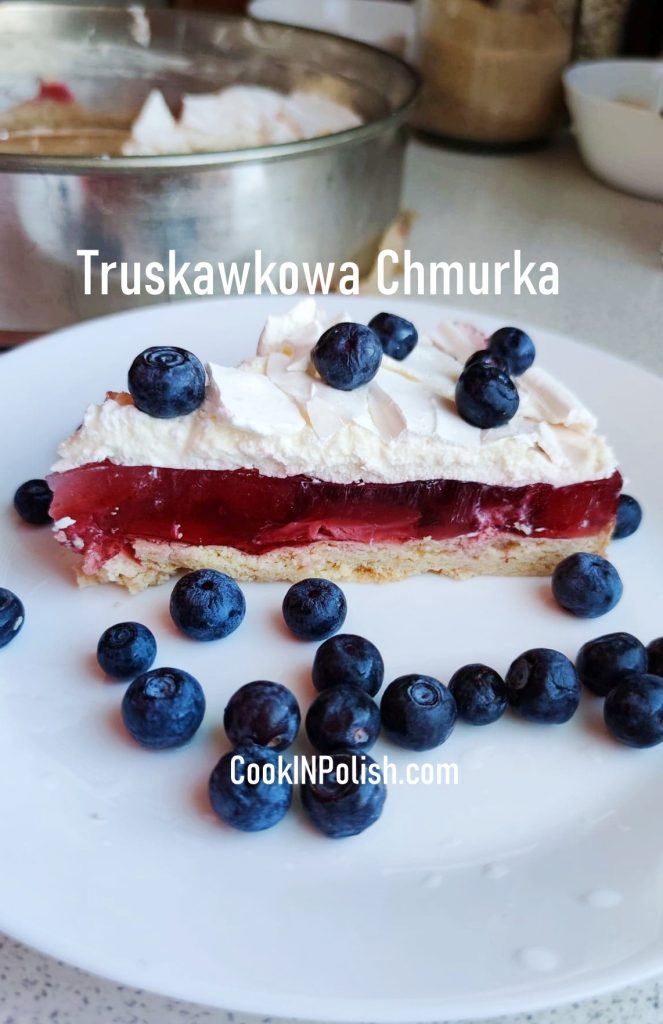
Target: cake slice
x: 278, y: 476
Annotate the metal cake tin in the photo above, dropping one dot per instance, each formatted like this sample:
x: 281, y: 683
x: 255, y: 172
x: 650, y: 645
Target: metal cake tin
x: 326, y: 199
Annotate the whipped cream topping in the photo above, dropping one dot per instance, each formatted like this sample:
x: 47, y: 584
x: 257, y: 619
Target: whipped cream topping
x: 273, y: 414
x: 237, y: 117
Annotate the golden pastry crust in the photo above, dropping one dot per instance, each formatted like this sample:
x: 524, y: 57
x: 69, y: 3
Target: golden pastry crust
x: 494, y: 555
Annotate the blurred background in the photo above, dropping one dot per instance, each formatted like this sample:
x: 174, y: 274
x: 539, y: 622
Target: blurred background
x: 603, y: 27
x: 494, y: 75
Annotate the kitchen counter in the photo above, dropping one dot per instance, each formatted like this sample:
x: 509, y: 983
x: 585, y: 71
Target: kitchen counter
x: 607, y: 244
x: 608, y: 248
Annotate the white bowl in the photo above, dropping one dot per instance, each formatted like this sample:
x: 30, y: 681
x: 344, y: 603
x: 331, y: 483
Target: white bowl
x: 388, y: 24
x: 617, y: 108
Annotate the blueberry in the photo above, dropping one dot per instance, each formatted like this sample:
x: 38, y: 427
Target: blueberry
x: 207, y: 605
x: 397, y: 336
x: 586, y: 585
x: 313, y: 609
x: 343, y: 718
x: 629, y: 517
x: 126, y: 649
x: 249, y: 788
x: 514, y: 348
x: 347, y: 799
x: 163, y: 708
x: 486, y: 396
x: 633, y: 710
x: 542, y: 686
x: 485, y: 358
x: 32, y: 502
x: 166, y: 382
x: 480, y: 694
x: 263, y: 713
x: 655, y: 656
x: 12, y: 616
x: 347, y: 356
x: 601, y: 662
x: 417, y: 712
x: 346, y: 658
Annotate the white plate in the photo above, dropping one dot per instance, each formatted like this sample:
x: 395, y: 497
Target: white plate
x: 539, y: 879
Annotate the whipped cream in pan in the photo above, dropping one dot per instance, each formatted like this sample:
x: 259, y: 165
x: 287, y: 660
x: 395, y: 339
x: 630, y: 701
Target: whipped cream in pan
x: 237, y: 117
x: 32, y: 119
x: 273, y: 414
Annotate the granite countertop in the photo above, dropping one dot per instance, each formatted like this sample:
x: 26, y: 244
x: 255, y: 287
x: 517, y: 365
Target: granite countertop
x: 35, y: 989
x: 608, y: 247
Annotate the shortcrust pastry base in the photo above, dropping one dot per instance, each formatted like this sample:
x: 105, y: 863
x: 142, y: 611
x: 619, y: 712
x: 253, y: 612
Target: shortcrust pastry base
x: 461, y: 557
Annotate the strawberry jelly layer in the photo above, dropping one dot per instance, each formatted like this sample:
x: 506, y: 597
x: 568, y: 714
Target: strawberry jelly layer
x: 56, y: 92
x: 115, y: 505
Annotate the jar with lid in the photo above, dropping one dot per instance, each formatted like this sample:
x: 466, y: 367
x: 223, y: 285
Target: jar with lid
x: 492, y: 70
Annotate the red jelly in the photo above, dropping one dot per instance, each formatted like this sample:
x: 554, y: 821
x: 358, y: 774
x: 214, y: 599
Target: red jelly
x: 115, y: 505
x: 56, y: 92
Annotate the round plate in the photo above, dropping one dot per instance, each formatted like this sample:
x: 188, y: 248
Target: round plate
x: 535, y: 880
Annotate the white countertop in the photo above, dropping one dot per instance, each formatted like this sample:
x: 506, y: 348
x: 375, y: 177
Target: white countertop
x: 607, y: 246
